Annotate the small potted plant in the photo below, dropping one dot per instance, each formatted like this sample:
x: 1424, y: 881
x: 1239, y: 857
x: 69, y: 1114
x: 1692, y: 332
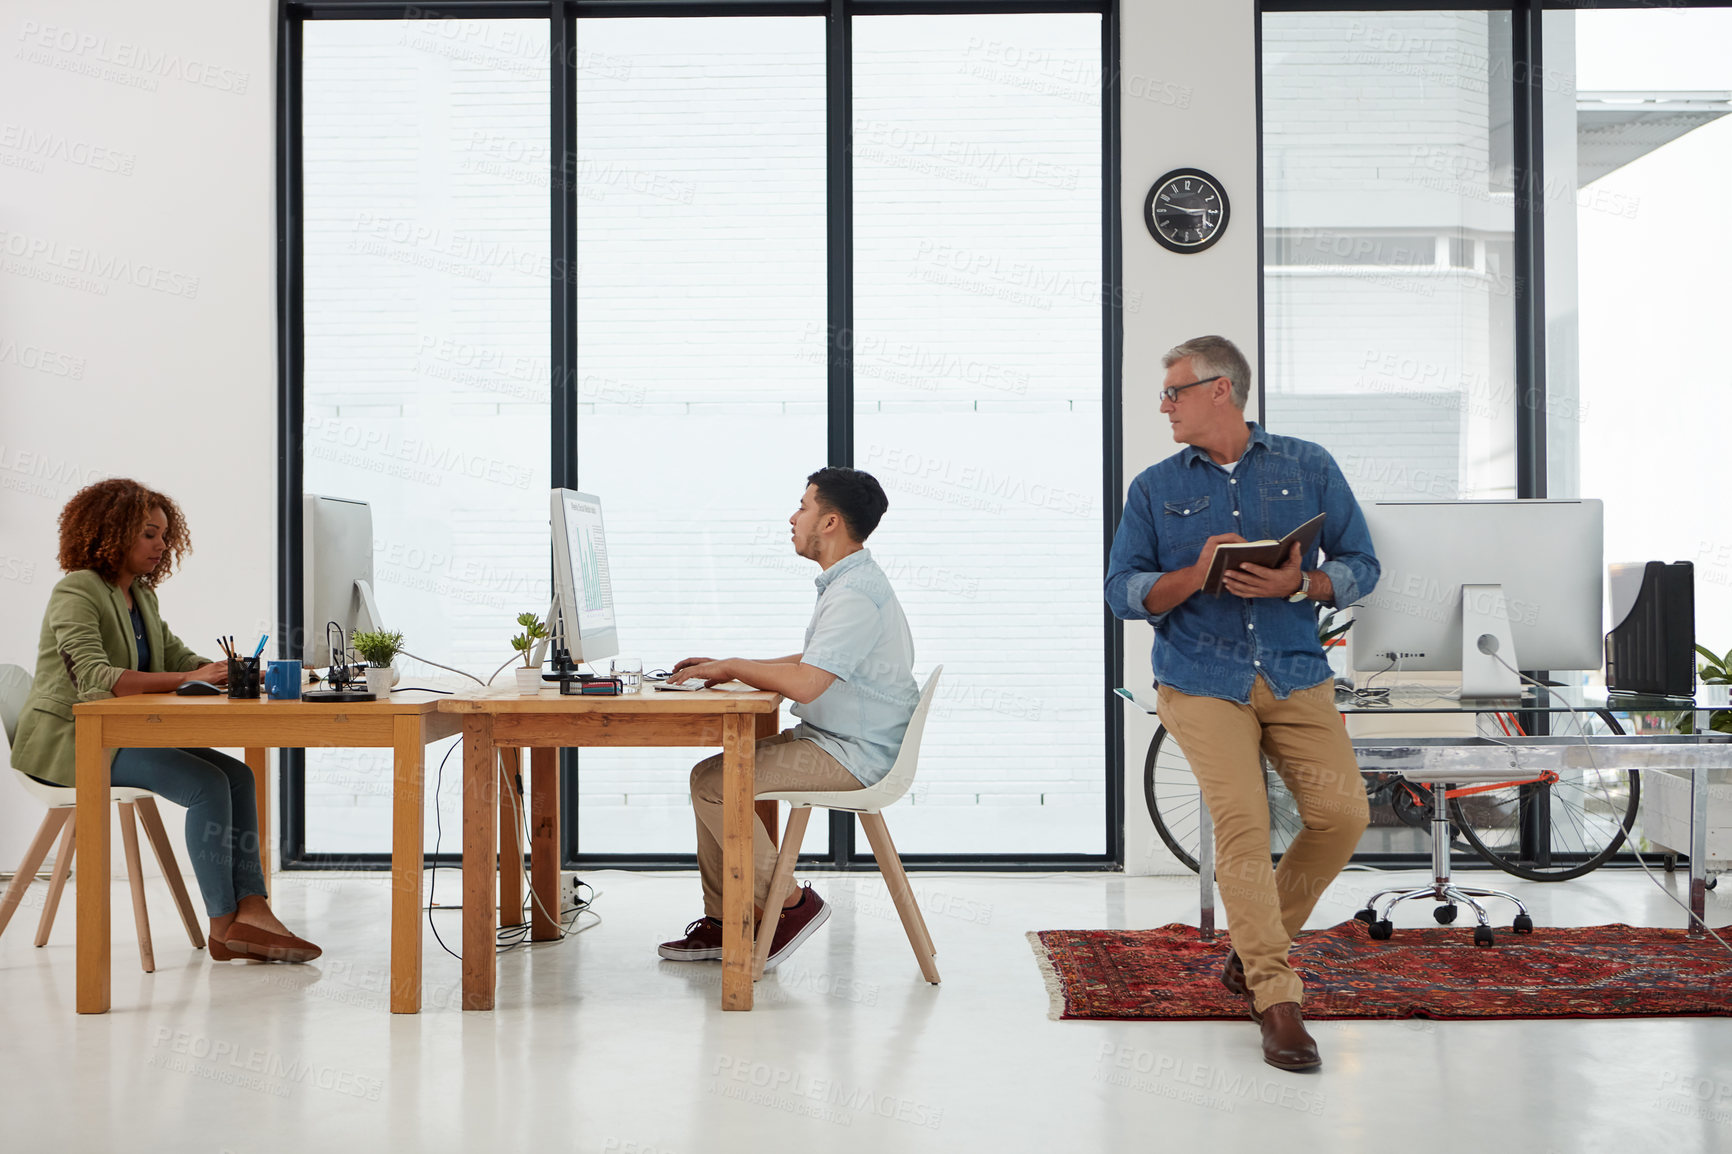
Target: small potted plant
x: 534, y: 631
x: 378, y: 648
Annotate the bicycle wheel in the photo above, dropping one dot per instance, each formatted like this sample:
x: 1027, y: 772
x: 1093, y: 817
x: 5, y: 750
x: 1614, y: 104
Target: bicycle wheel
x: 1175, y: 801
x: 1551, y: 832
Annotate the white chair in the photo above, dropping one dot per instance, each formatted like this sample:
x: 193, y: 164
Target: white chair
x: 61, y: 800
x: 866, y: 804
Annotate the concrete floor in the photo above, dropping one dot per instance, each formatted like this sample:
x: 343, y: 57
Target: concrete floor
x: 597, y: 1045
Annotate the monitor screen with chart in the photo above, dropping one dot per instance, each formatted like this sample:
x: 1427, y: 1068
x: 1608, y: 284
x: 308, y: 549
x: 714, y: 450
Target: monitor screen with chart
x: 582, y: 587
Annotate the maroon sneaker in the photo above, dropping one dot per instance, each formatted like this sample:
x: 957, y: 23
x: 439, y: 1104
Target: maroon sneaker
x: 702, y: 943
x: 797, y: 923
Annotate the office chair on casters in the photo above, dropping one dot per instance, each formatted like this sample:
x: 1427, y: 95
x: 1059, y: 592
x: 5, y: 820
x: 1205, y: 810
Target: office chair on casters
x: 1442, y: 890
x: 61, y: 802
x: 866, y: 804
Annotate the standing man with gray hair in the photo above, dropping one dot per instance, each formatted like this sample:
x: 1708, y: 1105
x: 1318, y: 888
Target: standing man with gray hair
x: 1240, y: 673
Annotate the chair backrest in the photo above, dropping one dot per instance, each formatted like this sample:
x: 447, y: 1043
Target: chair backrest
x: 14, y: 688
x: 901, y: 775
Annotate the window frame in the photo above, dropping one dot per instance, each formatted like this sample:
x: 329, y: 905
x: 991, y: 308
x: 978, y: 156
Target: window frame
x: 563, y: 16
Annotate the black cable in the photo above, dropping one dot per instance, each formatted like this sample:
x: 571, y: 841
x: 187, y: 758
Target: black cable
x: 517, y: 932
x: 438, y: 833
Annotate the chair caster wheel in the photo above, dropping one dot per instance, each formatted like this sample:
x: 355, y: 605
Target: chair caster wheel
x: 1444, y: 914
x: 1367, y: 915
x: 1382, y: 931
x: 1522, y: 924
x: 1482, y: 936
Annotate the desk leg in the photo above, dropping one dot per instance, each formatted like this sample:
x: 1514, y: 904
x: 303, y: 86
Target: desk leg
x: 510, y: 837
x: 739, y: 749
x: 1205, y: 873
x: 1698, y: 849
x: 544, y: 842
x: 408, y: 796
x: 258, y: 760
x: 91, y: 825
x: 480, y: 864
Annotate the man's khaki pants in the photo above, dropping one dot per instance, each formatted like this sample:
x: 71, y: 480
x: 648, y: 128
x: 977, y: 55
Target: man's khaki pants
x: 1307, y: 743
x: 784, y: 763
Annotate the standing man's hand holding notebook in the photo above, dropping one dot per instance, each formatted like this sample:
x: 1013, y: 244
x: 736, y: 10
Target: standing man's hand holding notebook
x: 1268, y: 554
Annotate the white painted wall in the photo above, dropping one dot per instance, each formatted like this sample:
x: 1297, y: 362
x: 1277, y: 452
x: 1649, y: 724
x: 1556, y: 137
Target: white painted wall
x: 1186, y: 101
x: 136, y: 302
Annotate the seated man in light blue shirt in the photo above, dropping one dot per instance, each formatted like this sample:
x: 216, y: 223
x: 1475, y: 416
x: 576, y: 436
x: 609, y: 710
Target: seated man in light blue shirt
x: 854, y: 693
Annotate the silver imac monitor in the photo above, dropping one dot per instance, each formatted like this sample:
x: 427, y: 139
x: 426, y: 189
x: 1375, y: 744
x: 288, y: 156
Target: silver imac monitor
x: 582, y: 618
x: 336, y: 573
x: 1468, y: 582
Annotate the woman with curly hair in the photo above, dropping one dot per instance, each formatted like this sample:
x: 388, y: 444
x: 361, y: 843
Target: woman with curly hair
x: 103, y: 636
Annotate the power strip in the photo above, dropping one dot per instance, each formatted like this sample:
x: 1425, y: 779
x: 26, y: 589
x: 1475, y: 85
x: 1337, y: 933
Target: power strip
x: 569, y: 893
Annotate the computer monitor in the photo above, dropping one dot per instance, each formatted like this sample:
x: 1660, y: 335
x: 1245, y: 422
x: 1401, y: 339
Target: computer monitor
x: 582, y: 617
x: 1522, y: 579
x: 336, y: 573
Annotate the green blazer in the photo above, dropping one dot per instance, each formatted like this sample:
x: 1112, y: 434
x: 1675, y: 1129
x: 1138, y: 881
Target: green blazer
x: 87, y: 643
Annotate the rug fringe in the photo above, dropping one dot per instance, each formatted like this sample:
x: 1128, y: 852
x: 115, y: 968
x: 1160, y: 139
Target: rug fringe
x: 1049, y: 976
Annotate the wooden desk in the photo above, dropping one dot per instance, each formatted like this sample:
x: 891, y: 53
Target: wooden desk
x: 548, y: 721
x: 405, y: 723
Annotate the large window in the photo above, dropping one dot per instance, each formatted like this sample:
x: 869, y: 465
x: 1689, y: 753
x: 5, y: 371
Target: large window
x: 977, y: 366
x: 426, y: 259
x: 1639, y: 152
x: 1486, y: 277
x: 701, y: 352
x: 1389, y: 279
x: 755, y: 270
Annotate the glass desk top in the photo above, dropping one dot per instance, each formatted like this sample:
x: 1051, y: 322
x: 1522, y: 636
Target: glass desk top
x: 1408, y: 698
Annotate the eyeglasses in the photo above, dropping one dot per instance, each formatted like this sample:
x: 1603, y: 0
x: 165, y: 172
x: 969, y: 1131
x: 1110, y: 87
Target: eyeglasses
x: 1172, y: 392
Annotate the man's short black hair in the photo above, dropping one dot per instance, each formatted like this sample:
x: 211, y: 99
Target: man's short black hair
x: 855, y: 496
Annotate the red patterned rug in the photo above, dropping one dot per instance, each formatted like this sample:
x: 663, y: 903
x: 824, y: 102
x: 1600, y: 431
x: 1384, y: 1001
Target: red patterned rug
x: 1611, y: 971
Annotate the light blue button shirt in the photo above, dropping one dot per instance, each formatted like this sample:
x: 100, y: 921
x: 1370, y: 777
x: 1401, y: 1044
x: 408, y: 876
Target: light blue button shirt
x: 858, y: 633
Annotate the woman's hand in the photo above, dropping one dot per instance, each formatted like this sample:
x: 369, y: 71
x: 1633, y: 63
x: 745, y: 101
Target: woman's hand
x: 690, y: 661
x: 217, y: 673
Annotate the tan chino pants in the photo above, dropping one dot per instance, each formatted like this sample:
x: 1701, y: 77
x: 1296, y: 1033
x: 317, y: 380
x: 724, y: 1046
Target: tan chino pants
x: 1305, y: 740
x: 784, y: 763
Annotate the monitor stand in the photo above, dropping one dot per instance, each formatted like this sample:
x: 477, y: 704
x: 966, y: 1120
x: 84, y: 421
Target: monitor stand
x: 563, y: 668
x: 1485, y: 637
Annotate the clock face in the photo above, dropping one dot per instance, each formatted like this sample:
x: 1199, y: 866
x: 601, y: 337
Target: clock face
x: 1186, y: 210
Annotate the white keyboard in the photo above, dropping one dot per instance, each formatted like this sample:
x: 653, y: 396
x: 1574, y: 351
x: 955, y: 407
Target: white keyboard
x: 693, y: 685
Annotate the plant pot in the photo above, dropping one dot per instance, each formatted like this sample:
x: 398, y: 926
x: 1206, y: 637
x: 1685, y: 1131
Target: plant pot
x: 379, y: 680
x: 528, y: 679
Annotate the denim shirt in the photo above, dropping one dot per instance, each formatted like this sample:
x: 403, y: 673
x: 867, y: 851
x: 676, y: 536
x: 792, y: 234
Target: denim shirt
x: 858, y: 633
x: 1216, y: 645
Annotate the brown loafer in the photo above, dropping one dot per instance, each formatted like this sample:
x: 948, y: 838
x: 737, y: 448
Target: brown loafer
x: 221, y: 953
x: 251, y: 942
x: 1233, y: 977
x: 1286, y: 1043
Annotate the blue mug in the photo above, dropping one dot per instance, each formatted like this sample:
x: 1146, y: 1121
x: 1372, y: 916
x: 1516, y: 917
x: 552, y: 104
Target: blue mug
x: 283, y: 681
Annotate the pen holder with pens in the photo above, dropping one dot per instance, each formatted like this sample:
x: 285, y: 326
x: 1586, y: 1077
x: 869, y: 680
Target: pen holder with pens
x: 244, y: 677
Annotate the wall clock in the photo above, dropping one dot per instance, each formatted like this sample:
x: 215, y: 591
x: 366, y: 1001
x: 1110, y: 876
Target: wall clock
x: 1186, y: 210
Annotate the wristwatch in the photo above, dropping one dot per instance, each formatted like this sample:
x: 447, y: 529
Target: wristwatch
x: 1304, y: 591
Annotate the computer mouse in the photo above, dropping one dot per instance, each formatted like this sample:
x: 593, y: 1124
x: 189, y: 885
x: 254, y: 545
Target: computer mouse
x: 197, y: 689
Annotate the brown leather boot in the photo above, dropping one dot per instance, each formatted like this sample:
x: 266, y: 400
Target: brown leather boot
x: 1286, y: 1044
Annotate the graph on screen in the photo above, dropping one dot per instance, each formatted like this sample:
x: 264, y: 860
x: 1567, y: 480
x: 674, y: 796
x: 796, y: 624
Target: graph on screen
x: 586, y: 553
x: 593, y: 585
